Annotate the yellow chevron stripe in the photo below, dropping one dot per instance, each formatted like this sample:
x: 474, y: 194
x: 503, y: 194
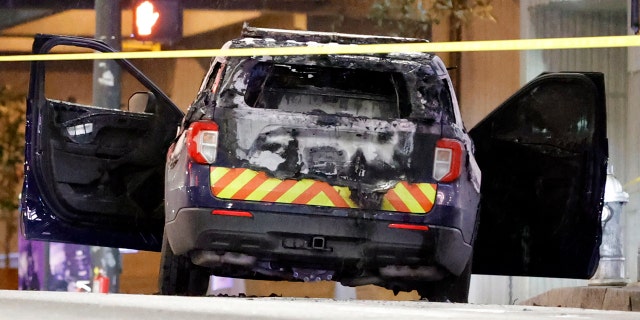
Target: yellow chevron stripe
x: 321, y: 199
x: 295, y: 191
x: 408, y: 199
x: 428, y: 191
x: 264, y: 189
x: 217, y: 173
x: 237, y: 183
x: 345, y: 193
x: 386, y: 205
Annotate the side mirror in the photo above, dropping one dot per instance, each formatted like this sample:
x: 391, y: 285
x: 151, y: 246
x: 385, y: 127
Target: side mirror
x: 142, y: 102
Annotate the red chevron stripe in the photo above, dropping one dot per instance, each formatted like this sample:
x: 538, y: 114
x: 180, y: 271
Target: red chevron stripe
x: 396, y: 202
x: 308, y: 194
x: 422, y: 199
x: 252, y: 185
x: 324, y: 187
x: 334, y: 196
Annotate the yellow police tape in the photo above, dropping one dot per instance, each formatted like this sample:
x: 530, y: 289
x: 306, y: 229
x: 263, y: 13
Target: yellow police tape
x: 630, y: 183
x: 462, y: 46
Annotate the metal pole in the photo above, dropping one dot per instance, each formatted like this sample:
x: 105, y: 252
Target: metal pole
x: 635, y: 18
x: 106, y: 93
x: 106, y: 74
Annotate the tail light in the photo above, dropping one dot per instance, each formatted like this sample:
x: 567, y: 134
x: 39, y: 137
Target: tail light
x: 447, y: 159
x: 202, y: 141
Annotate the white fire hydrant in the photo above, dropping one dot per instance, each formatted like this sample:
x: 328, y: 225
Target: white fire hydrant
x: 611, y: 271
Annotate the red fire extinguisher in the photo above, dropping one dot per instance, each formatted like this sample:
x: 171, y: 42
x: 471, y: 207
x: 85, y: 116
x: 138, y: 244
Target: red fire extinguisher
x: 100, y: 282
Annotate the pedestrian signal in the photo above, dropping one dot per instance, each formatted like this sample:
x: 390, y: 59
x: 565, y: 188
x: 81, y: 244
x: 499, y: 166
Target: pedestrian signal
x: 157, y: 20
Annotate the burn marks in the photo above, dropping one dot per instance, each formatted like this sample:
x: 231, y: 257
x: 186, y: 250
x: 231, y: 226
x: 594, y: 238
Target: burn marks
x: 367, y: 155
x: 364, y: 122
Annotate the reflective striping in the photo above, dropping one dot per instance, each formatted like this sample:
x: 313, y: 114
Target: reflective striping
x: 323, y: 194
x: 246, y: 184
x: 422, y: 192
x: 298, y: 189
x: 343, y: 199
x: 310, y: 192
x: 258, y: 179
x: 217, y: 173
x: 237, y: 184
x: 263, y: 190
x: 227, y: 178
x: 456, y: 46
x: 406, y: 197
x: 345, y: 193
x: 320, y: 199
x: 392, y: 202
x: 279, y: 190
x: 429, y: 190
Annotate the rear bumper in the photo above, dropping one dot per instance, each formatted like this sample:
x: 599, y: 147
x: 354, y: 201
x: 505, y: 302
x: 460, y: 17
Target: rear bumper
x: 318, y: 241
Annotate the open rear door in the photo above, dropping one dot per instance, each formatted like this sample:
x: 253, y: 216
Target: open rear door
x: 94, y: 175
x: 543, y: 157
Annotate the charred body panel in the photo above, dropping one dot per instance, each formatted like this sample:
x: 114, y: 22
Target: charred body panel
x: 351, y: 122
x: 366, y: 155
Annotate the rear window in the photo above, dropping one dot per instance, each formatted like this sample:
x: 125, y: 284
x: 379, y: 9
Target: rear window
x: 414, y: 93
x: 313, y: 89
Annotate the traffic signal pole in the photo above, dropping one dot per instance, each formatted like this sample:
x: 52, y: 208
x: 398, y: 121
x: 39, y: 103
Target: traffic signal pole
x: 106, y: 93
x: 106, y: 74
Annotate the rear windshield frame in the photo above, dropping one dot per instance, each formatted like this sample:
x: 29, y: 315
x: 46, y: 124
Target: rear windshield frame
x: 430, y: 100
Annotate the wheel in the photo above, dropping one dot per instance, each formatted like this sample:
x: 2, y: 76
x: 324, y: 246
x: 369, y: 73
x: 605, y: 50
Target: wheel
x: 451, y: 289
x: 459, y: 291
x: 433, y: 292
x: 179, y: 276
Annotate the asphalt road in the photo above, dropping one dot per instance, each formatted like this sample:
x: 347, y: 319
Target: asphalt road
x: 38, y: 305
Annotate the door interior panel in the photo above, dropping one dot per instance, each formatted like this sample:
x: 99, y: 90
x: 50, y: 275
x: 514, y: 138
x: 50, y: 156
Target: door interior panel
x: 95, y: 166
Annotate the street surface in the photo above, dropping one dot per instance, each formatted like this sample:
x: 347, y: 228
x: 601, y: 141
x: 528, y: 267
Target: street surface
x: 39, y: 305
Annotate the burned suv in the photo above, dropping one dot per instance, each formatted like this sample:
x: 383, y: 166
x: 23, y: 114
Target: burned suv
x: 343, y: 167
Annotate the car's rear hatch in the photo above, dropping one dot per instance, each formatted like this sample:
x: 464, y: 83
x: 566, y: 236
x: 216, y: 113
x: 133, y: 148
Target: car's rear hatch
x: 339, y: 137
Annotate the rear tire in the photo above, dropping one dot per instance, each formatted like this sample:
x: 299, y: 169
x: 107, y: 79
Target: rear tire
x: 179, y: 276
x: 454, y: 289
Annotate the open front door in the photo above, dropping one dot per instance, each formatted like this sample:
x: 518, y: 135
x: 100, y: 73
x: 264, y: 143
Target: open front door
x: 94, y: 175
x: 543, y: 157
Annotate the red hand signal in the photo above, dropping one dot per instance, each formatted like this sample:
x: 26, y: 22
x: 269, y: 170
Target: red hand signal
x: 146, y: 18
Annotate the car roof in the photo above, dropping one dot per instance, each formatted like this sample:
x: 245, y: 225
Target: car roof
x: 271, y: 38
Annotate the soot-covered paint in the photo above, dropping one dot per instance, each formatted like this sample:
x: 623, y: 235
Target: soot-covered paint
x: 294, y: 118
